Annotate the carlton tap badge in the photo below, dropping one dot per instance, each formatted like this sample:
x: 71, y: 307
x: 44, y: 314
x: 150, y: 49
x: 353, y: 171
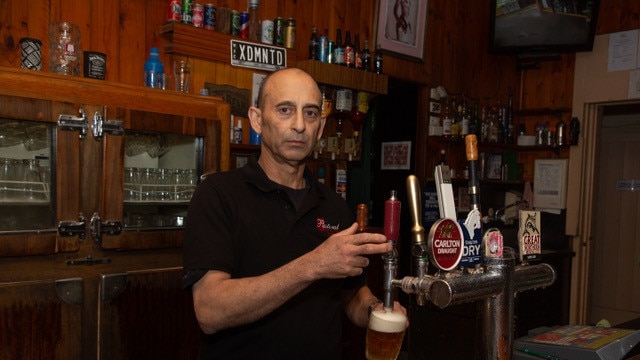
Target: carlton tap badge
x: 445, y: 244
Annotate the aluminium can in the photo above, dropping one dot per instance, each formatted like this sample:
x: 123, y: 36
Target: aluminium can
x: 174, y: 11
x: 278, y: 31
x: 210, y: 17
x: 235, y: 22
x: 197, y: 16
x: 323, y: 48
x: 290, y: 33
x: 187, y: 11
x: 244, y: 25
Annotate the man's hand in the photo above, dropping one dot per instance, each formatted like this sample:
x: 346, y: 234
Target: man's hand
x: 344, y: 253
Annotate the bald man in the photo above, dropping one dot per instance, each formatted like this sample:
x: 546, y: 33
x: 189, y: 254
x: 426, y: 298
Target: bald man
x: 271, y: 255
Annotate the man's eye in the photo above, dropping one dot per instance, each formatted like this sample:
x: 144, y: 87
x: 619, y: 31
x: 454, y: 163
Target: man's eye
x: 285, y: 110
x: 312, y: 114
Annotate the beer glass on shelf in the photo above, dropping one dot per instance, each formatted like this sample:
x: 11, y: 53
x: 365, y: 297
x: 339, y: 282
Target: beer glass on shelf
x: 385, y: 334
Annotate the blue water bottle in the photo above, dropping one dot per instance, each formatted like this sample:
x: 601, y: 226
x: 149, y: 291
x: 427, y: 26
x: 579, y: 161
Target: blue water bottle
x: 154, y: 70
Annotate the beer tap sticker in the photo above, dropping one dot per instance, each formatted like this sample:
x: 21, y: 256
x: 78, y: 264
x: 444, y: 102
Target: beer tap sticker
x: 445, y: 244
x: 529, y: 237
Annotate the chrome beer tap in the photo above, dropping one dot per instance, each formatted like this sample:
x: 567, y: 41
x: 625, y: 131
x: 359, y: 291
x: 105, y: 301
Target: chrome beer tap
x: 495, y: 284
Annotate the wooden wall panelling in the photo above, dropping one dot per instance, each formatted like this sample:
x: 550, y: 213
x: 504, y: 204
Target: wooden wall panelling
x: 105, y: 23
x: 20, y: 19
x: 618, y: 15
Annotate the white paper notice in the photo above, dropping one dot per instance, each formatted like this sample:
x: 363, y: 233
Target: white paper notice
x: 623, y: 50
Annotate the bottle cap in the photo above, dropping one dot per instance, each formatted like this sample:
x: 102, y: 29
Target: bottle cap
x: 154, y: 51
x: 254, y: 3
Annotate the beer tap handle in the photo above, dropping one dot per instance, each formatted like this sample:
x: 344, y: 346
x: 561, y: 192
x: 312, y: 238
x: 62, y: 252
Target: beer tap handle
x: 419, y: 248
x: 415, y: 210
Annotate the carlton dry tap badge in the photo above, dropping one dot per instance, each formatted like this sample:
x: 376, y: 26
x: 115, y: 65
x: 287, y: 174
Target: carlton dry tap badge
x: 529, y: 237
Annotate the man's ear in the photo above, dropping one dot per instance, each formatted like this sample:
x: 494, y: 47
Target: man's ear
x: 323, y: 122
x: 255, y: 119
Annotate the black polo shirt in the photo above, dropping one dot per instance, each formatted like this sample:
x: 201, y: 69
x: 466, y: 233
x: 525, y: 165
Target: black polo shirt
x: 242, y: 223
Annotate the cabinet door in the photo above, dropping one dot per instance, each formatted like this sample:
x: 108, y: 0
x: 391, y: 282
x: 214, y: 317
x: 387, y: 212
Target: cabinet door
x: 146, y: 315
x: 150, y: 174
x: 41, y: 319
x: 40, y: 166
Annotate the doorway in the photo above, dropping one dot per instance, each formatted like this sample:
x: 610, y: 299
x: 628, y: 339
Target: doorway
x: 615, y: 243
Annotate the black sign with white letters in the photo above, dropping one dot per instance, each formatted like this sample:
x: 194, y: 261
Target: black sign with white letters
x: 258, y: 56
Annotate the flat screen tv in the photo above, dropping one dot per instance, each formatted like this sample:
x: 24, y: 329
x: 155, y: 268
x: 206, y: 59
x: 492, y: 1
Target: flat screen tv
x: 542, y: 28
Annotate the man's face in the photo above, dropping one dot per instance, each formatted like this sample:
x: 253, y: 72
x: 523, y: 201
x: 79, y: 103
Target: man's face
x: 291, y: 120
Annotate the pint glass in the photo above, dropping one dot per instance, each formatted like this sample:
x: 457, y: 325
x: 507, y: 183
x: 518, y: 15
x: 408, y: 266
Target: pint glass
x: 384, y: 334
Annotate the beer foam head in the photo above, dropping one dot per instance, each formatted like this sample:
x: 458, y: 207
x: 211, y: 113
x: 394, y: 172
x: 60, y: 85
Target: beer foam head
x: 387, y: 321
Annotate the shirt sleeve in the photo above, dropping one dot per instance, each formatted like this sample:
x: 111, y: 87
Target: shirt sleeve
x: 207, y: 236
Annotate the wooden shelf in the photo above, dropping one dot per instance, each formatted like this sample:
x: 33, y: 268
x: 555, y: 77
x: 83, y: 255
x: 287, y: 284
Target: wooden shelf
x: 206, y: 44
x: 343, y: 76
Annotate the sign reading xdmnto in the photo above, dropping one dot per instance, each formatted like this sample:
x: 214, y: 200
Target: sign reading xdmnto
x: 258, y: 56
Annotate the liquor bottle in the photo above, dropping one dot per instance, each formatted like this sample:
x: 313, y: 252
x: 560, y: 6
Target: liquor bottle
x: 338, y: 50
x: 358, y: 53
x: 446, y: 122
x: 314, y: 44
x: 457, y: 118
x: 254, y: 20
x: 509, y: 138
x: 349, y: 51
x: 466, y: 121
x: 366, y: 56
x: 474, y: 124
x: 378, y: 60
x: 443, y: 157
x: 154, y: 70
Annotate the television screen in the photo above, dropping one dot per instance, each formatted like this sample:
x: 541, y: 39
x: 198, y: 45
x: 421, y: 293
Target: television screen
x: 544, y: 27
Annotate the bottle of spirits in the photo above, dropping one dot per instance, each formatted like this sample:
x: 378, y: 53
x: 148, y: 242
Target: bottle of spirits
x: 254, y: 20
x: 314, y: 44
x: 378, y: 60
x: 338, y: 50
x: 446, y: 121
x: 365, y: 54
x: 358, y: 53
x: 349, y: 51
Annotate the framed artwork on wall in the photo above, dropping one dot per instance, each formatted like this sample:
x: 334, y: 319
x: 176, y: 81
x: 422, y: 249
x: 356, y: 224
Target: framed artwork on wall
x: 401, y: 27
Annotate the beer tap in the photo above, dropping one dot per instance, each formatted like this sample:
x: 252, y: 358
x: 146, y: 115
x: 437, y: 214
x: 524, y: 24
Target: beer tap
x: 495, y: 285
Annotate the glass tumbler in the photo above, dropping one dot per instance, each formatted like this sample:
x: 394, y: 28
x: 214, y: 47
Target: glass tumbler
x: 64, y: 49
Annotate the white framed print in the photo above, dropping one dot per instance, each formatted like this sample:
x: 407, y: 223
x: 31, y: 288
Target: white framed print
x: 550, y: 183
x: 396, y: 155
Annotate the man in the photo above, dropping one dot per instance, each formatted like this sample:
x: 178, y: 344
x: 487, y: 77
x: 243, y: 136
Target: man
x: 271, y: 255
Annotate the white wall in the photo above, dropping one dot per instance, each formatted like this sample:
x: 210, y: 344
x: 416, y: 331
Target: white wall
x: 594, y: 86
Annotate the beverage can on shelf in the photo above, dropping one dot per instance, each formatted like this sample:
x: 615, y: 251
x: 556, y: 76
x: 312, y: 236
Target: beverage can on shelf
x: 235, y: 22
x: 174, y: 11
x: 290, y: 33
x: 197, y: 17
x: 187, y: 11
x: 278, y: 31
x: 210, y: 17
x: 244, y: 25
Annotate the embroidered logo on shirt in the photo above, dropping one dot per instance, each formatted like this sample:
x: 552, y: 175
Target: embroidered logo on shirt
x: 323, y: 226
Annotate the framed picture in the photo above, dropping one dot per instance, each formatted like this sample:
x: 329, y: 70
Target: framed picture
x: 493, y: 166
x: 550, y: 183
x: 401, y: 27
x: 396, y: 155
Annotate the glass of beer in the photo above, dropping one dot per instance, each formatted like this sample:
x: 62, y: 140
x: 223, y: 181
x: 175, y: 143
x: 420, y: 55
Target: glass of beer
x: 384, y: 334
